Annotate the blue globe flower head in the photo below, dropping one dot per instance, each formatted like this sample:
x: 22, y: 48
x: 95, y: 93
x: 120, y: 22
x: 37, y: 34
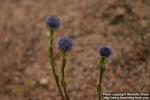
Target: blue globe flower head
x: 65, y: 44
x: 53, y: 22
x: 105, y: 51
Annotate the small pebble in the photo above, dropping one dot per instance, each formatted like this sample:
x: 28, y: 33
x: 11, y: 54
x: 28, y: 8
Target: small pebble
x: 43, y: 82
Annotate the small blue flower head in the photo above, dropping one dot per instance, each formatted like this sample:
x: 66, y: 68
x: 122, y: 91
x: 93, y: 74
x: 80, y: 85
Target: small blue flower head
x: 105, y: 51
x: 65, y: 44
x: 53, y: 22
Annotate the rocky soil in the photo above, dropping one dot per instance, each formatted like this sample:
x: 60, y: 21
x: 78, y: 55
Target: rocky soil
x: 25, y: 73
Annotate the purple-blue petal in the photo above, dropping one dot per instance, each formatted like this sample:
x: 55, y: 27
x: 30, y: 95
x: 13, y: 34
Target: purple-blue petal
x: 65, y: 43
x: 53, y: 22
x: 105, y: 51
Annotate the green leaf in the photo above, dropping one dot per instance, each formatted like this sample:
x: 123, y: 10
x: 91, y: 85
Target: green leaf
x: 101, y: 63
x: 63, y: 83
x: 98, y: 89
x: 52, y: 61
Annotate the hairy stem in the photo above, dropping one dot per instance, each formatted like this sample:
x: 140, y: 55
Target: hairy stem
x: 63, y: 83
x: 102, y: 70
x: 52, y: 62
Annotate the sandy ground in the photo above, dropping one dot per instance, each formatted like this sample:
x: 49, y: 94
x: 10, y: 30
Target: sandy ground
x: 122, y: 24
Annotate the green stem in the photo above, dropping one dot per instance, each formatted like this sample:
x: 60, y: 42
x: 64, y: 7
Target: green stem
x: 63, y: 82
x: 102, y: 70
x: 52, y: 62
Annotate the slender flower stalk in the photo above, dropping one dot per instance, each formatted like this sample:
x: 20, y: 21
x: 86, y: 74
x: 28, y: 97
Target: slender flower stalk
x: 53, y: 22
x: 104, y: 52
x: 64, y: 44
x: 63, y: 81
x: 101, y: 70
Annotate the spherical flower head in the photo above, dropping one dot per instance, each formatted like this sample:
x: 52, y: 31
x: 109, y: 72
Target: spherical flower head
x: 105, y: 51
x: 53, y: 22
x: 65, y: 44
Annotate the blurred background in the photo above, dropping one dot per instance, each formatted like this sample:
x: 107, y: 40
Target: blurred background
x: 25, y: 73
